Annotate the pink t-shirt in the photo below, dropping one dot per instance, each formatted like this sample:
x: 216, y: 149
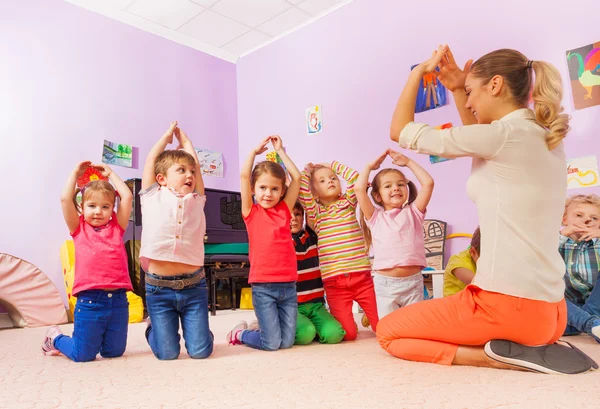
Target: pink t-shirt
x: 271, y: 247
x: 398, y: 238
x: 100, y: 257
x: 173, y: 226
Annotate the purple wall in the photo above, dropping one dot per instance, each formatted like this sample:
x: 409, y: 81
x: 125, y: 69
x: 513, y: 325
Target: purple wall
x: 355, y: 61
x: 71, y: 78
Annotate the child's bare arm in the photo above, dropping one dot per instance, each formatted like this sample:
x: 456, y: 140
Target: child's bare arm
x: 464, y: 274
x: 148, y: 175
x: 294, y: 187
x: 67, y: 205
x: 246, y: 175
x: 360, y: 187
x: 125, y: 195
x: 186, y: 144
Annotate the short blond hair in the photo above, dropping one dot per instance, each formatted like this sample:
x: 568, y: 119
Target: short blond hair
x: 592, y: 199
x: 168, y: 157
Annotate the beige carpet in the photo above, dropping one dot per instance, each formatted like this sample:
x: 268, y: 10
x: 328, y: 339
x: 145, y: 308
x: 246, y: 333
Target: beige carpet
x: 351, y: 375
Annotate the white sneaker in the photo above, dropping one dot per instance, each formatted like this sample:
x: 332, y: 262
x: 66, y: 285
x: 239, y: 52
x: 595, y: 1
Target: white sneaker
x: 253, y: 326
x: 232, y: 335
x: 48, y: 348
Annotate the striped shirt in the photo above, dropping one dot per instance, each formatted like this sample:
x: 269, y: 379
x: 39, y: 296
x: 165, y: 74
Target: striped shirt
x: 341, y: 242
x: 309, y: 285
x: 582, y: 260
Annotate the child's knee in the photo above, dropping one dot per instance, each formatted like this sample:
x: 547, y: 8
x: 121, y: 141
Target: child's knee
x: 305, y: 335
x: 202, y: 352
x: 84, y: 356
x: 351, y: 332
x: 332, y: 334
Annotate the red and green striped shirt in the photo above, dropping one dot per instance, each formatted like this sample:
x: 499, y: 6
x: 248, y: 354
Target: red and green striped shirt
x: 341, y: 242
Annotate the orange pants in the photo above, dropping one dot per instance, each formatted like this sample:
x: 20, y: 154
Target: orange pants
x: 431, y: 331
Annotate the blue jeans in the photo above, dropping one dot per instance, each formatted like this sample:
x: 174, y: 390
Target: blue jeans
x: 276, y: 308
x: 101, y: 319
x: 582, y: 317
x: 166, y: 307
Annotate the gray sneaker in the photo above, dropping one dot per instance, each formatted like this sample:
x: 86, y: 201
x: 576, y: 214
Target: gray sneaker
x: 548, y: 359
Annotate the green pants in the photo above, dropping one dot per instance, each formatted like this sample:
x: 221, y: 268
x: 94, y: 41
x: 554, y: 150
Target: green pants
x: 313, y: 320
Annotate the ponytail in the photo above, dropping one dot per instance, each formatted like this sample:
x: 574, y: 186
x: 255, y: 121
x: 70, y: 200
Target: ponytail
x: 366, y: 232
x: 547, y: 96
x: 412, y: 192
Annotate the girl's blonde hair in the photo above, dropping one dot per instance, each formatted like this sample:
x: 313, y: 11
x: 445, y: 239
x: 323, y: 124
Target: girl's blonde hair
x: 96, y: 187
x: 375, y: 185
x: 272, y: 168
x: 547, y: 91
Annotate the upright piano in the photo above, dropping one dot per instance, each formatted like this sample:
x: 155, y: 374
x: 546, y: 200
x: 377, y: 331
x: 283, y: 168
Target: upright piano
x: 225, y: 243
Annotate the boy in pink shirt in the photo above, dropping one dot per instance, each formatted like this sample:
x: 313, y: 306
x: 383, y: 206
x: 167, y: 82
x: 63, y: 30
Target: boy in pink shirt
x: 172, y: 252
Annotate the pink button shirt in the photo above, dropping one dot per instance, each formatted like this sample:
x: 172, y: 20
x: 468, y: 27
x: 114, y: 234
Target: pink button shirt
x: 100, y: 257
x: 173, y: 226
x: 397, y: 237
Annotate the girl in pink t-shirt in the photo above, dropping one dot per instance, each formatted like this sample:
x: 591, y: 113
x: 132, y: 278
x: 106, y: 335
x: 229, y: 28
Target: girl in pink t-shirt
x: 273, y: 269
x: 101, y: 279
x: 395, y: 231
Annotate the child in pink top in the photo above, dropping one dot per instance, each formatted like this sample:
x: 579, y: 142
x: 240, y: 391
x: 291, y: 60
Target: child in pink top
x: 172, y: 252
x: 396, y: 231
x: 101, y: 315
x: 273, y: 269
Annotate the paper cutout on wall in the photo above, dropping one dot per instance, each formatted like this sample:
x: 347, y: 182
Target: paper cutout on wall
x: 117, y: 154
x: 434, y: 232
x: 314, y: 119
x: 431, y: 94
x: 584, y: 75
x: 435, y: 158
x: 211, y: 162
x: 274, y: 157
x: 582, y: 172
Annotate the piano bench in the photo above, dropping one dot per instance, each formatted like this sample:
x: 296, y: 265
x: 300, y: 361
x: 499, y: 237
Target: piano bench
x: 229, y: 267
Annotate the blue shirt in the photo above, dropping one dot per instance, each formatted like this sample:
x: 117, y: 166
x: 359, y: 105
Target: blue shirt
x: 582, y: 261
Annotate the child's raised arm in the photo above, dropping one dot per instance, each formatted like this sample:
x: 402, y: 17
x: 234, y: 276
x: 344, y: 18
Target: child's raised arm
x: 360, y: 187
x: 424, y: 178
x: 148, y: 176
x: 291, y: 194
x: 67, y: 203
x: 125, y: 195
x: 350, y: 176
x: 246, y: 176
x: 305, y: 195
x: 186, y: 144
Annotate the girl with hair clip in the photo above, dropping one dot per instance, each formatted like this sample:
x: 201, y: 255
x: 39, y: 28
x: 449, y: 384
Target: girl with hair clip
x: 514, y: 311
x: 395, y: 230
x: 101, y: 314
x: 273, y: 270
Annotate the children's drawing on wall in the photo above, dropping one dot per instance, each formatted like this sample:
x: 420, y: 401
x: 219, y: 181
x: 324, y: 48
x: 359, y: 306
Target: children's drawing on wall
x: 314, y: 119
x: 582, y: 172
x: 435, y: 158
x: 584, y: 73
x: 274, y: 157
x: 211, y: 162
x: 117, y: 154
x: 431, y: 95
x: 434, y: 232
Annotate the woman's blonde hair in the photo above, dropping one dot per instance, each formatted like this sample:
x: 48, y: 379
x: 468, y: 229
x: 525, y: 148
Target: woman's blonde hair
x: 547, y: 91
x: 375, y: 185
x: 96, y: 187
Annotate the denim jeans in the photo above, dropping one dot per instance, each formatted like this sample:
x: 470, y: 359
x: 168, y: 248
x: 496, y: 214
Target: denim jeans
x: 166, y: 307
x: 101, y: 319
x: 582, y: 317
x: 276, y: 308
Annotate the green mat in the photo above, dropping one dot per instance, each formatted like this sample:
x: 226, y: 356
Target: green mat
x: 226, y: 248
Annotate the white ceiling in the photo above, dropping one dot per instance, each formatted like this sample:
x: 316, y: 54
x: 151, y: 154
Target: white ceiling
x: 227, y: 29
